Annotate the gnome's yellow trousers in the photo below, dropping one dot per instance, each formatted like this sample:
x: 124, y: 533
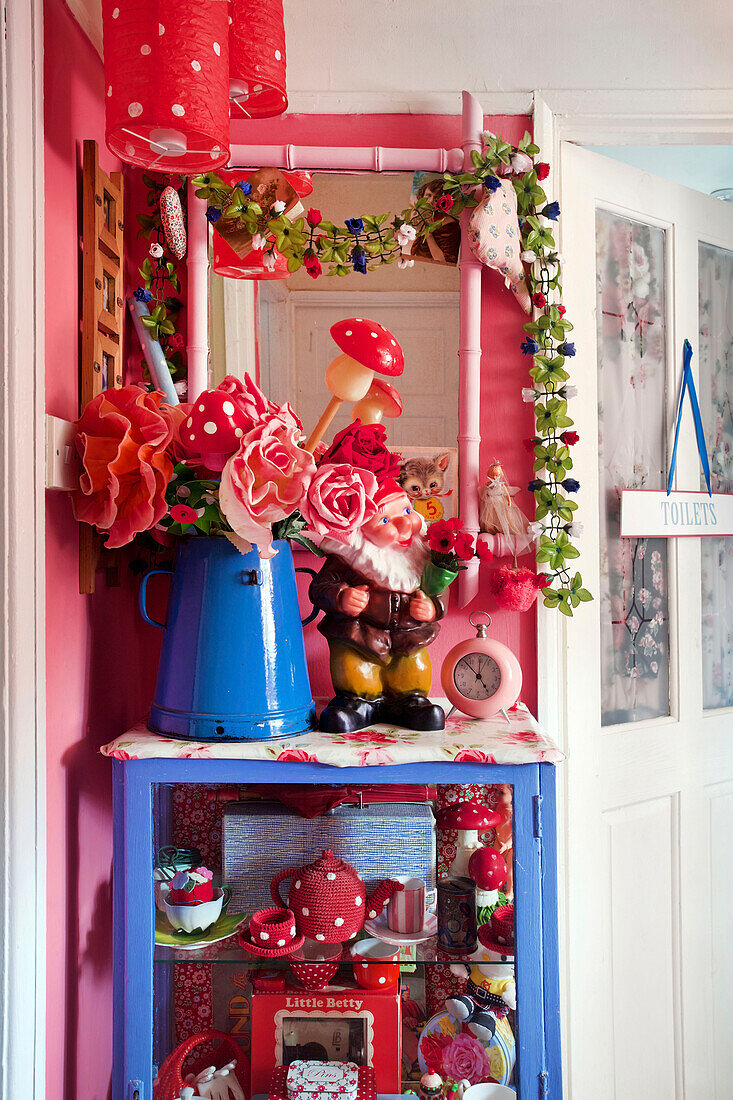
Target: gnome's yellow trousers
x: 354, y: 671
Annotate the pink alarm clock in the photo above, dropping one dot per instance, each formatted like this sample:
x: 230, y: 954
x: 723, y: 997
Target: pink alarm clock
x: 481, y: 676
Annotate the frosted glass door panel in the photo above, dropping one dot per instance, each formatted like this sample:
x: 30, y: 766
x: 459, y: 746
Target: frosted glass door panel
x: 716, y: 389
x: 631, y: 319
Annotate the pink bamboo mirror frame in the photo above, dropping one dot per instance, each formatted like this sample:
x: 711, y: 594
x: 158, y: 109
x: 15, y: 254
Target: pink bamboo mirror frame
x: 374, y: 159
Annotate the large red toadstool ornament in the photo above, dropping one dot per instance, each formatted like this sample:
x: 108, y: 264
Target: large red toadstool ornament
x: 213, y: 431
x: 487, y: 868
x: 367, y: 347
x: 468, y: 818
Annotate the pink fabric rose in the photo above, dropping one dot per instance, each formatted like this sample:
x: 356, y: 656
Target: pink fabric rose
x: 466, y: 1058
x: 254, y: 404
x: 339, y: 500
x: 264, y: 481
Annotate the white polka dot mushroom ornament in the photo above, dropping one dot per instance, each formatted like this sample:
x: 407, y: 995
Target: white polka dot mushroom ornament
x: 367, y: 348
x: 214, y: 429
x: 381, y: 400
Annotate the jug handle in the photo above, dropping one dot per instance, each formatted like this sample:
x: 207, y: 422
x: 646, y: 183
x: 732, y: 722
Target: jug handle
x: 275, y: 885
x: 142, y: 598
x: 314, y: 612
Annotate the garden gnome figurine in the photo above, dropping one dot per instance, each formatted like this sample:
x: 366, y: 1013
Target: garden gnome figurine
x: 377, y: 620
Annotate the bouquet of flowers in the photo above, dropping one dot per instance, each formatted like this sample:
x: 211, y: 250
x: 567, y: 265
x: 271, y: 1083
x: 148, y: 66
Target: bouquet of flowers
x: 232, y: 464
x: 451, y: 547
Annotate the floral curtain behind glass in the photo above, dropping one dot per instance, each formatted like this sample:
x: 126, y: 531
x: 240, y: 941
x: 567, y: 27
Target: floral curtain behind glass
x: 632, y: 455
x: 716, y: 388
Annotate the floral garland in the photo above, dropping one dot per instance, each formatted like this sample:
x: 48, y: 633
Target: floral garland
x: 364, y: 243
x: 156, y: 271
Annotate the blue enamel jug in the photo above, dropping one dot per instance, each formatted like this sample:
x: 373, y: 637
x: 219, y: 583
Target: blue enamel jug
x: 232, y: 664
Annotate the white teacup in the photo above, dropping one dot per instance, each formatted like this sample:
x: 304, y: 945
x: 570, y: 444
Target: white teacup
x: 487, y: 1091
x: 406, y: 908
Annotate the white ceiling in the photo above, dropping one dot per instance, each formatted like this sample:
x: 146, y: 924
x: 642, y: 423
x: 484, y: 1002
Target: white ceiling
x: 406, y: 49
x: 412, y: 46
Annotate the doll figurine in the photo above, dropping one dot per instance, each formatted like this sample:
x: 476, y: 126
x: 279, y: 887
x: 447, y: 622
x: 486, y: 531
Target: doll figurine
x: 499, y: 515
x: 489, y: 994
x: 377, y: 620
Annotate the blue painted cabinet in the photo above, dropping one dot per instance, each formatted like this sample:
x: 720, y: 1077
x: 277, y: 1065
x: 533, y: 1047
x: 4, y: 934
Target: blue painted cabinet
x: 142, y: 1029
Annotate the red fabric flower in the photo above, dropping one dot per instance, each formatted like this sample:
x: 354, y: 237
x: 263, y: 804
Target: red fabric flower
x: 463, y: 546
x: 483, y: 553
x: 175, y: 340
x: 431, y: 1048
x: 473, y: 756
x: 183, y: 513
x: 122, y: 438
x: 364, y: 447
x: 442, y: 536
x: 539, y: 299
x: 444, y: 203
x: 312, y: 265
x: 569, y: 438
x: 542, y: 169
x: 561, y: 310
x: 543, y: 580
x: 530, y: 443
x: 313, y: 217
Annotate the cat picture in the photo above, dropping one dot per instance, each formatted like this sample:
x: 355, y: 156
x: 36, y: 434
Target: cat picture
x: 429, y: 479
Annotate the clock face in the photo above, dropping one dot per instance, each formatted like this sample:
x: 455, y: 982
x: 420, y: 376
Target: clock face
x: 477, y: 676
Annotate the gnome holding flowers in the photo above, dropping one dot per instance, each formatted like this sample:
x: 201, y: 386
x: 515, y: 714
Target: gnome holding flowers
x: 377, y: 620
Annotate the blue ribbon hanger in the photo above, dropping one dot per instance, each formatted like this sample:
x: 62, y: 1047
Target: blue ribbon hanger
x: 688, y: 383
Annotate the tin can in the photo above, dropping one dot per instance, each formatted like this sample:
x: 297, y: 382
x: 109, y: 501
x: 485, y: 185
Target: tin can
x: 457, y: 915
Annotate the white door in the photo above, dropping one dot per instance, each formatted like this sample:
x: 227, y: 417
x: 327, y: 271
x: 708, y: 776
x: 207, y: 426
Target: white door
x: 648, y: 843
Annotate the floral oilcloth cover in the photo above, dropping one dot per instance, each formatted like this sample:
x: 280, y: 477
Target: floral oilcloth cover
x: 521, y: 740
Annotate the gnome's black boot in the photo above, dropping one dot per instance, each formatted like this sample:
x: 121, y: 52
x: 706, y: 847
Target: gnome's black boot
x: 413, y: 712
x: 347, y: 713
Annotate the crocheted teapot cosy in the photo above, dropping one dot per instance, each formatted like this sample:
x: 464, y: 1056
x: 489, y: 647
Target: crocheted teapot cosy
x: 329, y: 898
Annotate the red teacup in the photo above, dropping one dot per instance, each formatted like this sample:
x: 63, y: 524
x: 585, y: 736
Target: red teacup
x: 374, y: 964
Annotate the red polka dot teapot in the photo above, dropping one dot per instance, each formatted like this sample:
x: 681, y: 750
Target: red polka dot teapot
x: 329, y: 898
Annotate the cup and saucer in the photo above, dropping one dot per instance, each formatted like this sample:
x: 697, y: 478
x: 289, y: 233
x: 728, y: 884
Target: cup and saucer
x: 405, y: 921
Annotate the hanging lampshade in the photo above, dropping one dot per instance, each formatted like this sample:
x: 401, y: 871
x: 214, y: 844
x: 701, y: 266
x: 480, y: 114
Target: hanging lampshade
x: 257, y: 59
x: 166, y: 67
x: 226, y: 262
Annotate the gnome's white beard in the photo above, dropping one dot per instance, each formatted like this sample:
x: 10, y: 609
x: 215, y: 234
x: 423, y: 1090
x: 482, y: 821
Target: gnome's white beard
x: 397, y: 568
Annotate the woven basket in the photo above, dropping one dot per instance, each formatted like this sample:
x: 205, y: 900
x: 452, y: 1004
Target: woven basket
x: 170, y: 1078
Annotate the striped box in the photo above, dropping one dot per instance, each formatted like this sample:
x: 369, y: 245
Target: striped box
x: 381, y: 841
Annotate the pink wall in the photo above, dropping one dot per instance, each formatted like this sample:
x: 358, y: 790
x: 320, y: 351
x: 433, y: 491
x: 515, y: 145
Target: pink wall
x: 99, y: 654
x: 98, y: 659
x: 505, y: 420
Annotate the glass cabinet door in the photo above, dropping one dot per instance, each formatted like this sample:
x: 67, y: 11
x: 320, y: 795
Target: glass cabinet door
x: 442, y: 998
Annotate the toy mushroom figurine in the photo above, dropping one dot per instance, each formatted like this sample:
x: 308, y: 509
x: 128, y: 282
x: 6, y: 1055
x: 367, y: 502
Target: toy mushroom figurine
x: 214, y: 429
x: 487, y: 868
x: 367, y: 347
x: 381, y: 400
x: 468, y: 818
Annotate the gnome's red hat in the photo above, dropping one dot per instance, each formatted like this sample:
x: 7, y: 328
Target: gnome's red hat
x: 388, y: 488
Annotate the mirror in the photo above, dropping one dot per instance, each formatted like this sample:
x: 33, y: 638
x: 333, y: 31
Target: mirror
x: 279, y: 328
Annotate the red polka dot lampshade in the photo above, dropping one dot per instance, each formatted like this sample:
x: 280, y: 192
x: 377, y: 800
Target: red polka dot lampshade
x: 166, y: 65
x: 257, y: 59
